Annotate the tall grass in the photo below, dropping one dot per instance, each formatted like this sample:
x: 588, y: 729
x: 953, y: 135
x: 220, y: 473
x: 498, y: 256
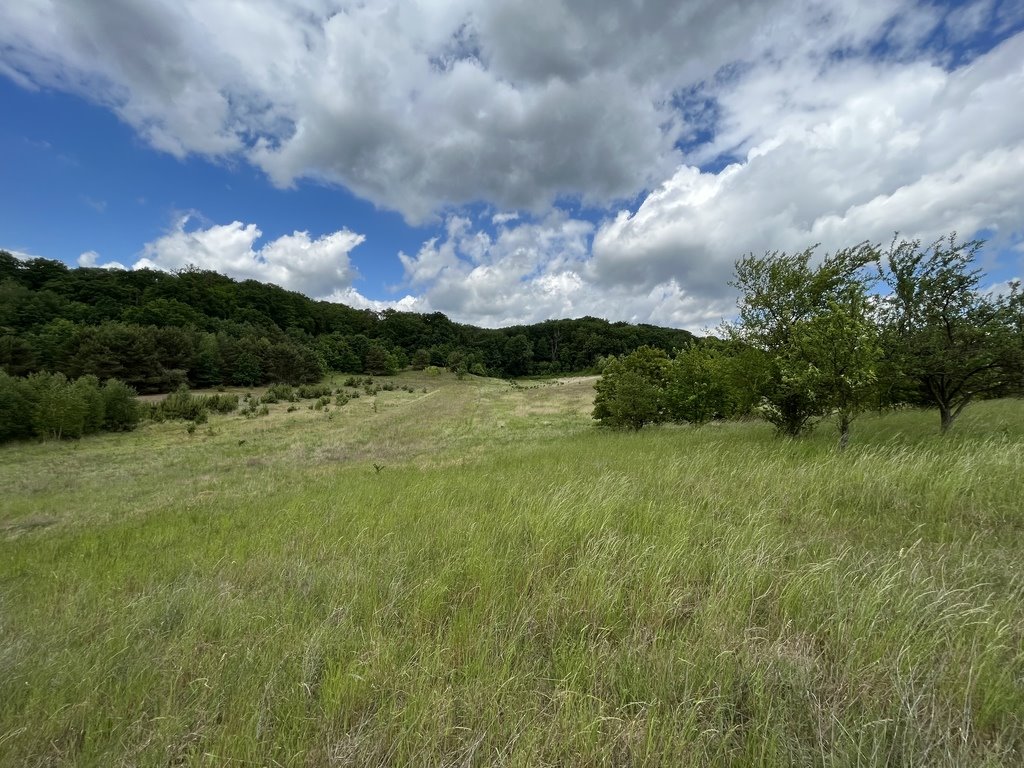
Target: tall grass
x: 477, y: 576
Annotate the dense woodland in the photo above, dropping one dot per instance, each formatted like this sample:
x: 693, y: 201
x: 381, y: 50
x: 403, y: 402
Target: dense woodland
x: 155, y: 331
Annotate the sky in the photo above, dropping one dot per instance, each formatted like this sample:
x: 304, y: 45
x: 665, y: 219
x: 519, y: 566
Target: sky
x: 507, y: 161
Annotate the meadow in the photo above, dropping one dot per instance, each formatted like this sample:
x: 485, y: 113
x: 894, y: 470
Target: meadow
x: 473, y: 574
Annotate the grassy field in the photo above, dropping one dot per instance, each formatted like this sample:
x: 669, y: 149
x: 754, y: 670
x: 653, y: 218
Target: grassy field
x: 476, y: 575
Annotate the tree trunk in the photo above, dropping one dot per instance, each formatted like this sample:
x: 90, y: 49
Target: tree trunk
x: 947, y: 417
x: 844, y: 430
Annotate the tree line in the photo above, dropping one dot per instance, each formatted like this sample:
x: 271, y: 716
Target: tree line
x: 860, y: 328
x: 50, y: 405
x: 155, y: 331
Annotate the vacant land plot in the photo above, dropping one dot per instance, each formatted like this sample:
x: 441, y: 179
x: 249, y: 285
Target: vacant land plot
x: 475, y: 575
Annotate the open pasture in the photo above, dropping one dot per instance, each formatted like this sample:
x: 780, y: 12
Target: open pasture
x: 476, y: 575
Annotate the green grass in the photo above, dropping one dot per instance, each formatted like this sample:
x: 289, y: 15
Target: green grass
x: 513, y: 587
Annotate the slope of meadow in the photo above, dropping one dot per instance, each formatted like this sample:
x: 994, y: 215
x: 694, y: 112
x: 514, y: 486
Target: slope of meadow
x: 475, y: 575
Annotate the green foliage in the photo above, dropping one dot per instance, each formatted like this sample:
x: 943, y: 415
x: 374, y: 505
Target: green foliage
x: 811, y: 322
x: 16, y: 408
x: 702, y: 385
x: 278, y: 392
x: 420, y: 359
x: 49, y: 405
x: 380, y: 361
x: 219, y: 403
x: 87, y: 391
x: 630, y: 392
x: 952, y: 341
x: 309, y: 391
x: 120, y: 407
x: 181, y: 404
x: 156, y: 331
x: 59, y: 408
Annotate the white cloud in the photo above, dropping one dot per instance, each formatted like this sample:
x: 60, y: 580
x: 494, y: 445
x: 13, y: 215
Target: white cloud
x: 317, y: 267
x: 92, y: 259
x: 21, y: 255
x: 813, y: 122
x: 532, y: 271
x: 849, y: 154
x: 422, y: 104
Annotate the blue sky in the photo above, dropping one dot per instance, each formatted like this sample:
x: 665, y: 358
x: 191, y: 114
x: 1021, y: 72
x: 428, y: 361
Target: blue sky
x: 506, y: 161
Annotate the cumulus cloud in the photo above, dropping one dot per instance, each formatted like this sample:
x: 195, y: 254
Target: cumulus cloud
x: 835, y: 157
x: 718, y: 127
x: 92, y: 259
x: 318, y: 267
x: 419, y: 104
x: 529, y: 271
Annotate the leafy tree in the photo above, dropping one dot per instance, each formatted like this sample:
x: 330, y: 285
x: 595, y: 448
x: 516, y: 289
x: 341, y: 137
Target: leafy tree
x: 16, y: 408
x: 336, y: 352
x: 953, y: 341
x: 379, y: 361
x: 17, y: 356
x: 207, y: 365
x: 843, y: 345
x: 10, y: 267
x: 701, y: 385
x: 86, y: 390
x: 808, y: 320
x: 120, y: 407
x: 629, y: 392
x: 58, y: 410
x: 420, y: 359
x: 517, y: 356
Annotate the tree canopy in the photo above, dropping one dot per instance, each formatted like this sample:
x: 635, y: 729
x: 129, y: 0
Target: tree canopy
x: 155, y: 331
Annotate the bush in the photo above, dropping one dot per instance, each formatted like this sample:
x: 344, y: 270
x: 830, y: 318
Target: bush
x: 59, y: 410
x: 630, y: 392
x: 220, y: 403
x: 120, y: 408
x: 311, y: 391
x: 278, y: 392
x: 181, y: 404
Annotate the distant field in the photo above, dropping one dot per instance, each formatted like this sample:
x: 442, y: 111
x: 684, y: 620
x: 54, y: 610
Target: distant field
x: 476, y: 575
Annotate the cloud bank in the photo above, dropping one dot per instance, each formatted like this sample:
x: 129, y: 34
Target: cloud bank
x: 633, y: 151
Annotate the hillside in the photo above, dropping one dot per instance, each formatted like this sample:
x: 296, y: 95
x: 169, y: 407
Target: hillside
x: 155, y: 331
x: 476, y: 575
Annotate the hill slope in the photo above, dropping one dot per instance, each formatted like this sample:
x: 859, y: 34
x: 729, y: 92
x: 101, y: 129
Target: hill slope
x: 475, y: 575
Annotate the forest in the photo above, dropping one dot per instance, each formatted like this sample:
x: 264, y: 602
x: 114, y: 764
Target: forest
x: 155, y: 331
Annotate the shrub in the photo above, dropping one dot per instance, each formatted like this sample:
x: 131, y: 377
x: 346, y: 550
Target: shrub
x: 310, y: 391
x: 278, y: 392
x: 181, y: 404
x: 59, y: 411
x: 120, y: 408
x: 220, y: 403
